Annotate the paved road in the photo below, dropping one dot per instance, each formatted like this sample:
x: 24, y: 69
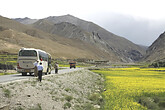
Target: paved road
x: 7, y: 78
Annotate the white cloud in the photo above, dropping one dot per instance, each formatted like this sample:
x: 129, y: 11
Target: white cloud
x: 152, y: 9
x: 98, y: 11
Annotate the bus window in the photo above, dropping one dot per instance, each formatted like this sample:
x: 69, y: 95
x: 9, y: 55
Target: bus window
x: 27, y: 53
x: 43, y: 56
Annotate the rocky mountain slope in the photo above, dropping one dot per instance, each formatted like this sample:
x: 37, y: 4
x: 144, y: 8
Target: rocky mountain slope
x: 157, y: 50
x: 14, y: 35
x: 75, y: 28
x: 68, y: 37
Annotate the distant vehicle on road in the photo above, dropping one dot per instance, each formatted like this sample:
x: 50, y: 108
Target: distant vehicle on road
x: 72, y: 64
x: 28, y: 56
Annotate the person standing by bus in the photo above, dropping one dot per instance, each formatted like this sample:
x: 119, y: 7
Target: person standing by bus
x: 35, y: 68
x: 40, y: 69
x: 56, y: 66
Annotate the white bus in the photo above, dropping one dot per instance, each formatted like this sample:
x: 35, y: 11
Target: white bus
x: 28, y: 56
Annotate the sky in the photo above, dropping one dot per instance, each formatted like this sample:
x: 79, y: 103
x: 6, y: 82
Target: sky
x: 140, y: 21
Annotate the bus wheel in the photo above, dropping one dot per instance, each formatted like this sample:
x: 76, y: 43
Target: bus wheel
x: 24, y: 74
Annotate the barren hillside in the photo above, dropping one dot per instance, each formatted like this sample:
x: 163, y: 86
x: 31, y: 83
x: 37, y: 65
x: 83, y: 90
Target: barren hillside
x: 14, y: 35
x: 75, y: 28
x: 157, y: 50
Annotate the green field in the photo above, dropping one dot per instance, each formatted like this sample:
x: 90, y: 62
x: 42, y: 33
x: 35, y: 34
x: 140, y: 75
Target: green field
x: 134, y: 88
x: 8, y: 59
x: 6, y: 73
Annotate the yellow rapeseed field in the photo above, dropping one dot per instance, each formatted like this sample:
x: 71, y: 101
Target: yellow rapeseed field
x: 125, y: 85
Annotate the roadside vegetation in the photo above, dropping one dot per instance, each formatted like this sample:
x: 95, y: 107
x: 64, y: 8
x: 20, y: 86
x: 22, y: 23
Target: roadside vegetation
x: 8, y: 59
x: 134, y: 88
x: 158, y: 64
x: 5, y: 73
x: 7, y: 62
x: 80, y: 90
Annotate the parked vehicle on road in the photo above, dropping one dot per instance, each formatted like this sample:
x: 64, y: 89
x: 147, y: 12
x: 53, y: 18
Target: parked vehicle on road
x: 72, y: 64
x: 28, y: 56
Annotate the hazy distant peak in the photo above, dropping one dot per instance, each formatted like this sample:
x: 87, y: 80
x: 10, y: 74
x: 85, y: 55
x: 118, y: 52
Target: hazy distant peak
x: 22, y: 18
x: 66, y: 18
x: 68, y: 15
x: 26, y: 20
x: 62, y: 18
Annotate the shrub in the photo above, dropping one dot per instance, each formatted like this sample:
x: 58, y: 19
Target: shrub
x: 67, y: 105
x: 88, y: 106
x: 94, y: 97
x: 67, y: 89
x: 7, y: 92
x: 68, y: 98
x: 149, y: 103
x: 162, y: 104
x: 19, y: 108
x: 158, y: 64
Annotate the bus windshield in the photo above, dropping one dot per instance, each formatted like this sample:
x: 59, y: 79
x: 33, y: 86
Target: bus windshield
x: 27, y: 53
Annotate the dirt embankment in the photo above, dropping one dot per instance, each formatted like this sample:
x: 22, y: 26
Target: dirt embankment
x: 78, y: 90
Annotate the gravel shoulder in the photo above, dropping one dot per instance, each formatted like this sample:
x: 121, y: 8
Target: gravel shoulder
x: 18, y: 76
x: 79, y: 90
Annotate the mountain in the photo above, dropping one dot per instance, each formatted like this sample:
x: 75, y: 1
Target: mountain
x: 14, y: 35
x: 26, y: 20
x: 157, y: 50
x: 75, y: 28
